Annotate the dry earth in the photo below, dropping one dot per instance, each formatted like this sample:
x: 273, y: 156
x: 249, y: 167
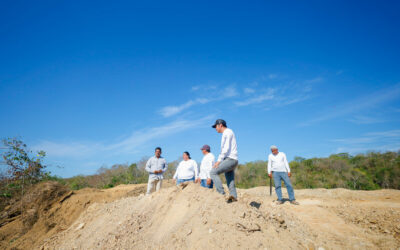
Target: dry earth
x: 197, y: 218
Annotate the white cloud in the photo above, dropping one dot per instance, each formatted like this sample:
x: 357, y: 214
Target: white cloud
x: 249, y: 90
x: 314, y: 80
x: 73, y: 149
x: 131, y: 144
x: 377, y: 141
x: 172, y: 110
x: 272, y: 76
x: 359, y: 119
x: 229, y: 92
x: 195, y: 88
x: 370, y: 101
x: 212, y: 96
x: 267, y: 95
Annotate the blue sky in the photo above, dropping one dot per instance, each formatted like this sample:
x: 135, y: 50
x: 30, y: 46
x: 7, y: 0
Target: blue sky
x: 101, y: 83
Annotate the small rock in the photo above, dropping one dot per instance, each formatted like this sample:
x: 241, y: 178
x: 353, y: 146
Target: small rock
x: 210, y: 231
x: 80, y: 226
x: 189, y: 232
x: 242, y: 215
x: 321, y: 248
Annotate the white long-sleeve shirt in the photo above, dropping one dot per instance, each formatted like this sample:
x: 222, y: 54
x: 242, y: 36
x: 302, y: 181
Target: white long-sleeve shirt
x: 278, y: 163
x: 206, y: 165
x: 186, y: 170
x: 154, y: 164
x: 228, y: 145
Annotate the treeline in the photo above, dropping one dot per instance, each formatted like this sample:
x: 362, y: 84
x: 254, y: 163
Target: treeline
x: 363, y: 171
x: 23, y: 168
x: 134, y: 173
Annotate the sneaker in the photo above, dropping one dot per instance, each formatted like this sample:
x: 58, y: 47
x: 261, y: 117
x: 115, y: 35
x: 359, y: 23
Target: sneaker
x: 294, y: 202
x: 231, y: 199
x: 279, y: 202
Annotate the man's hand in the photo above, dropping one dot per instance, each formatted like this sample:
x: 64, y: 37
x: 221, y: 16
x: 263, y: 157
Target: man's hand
x: 270, y: 175
x: 289, y: 174
x: 158, y: 171
x: 208, y: 181
x: 216, y: 164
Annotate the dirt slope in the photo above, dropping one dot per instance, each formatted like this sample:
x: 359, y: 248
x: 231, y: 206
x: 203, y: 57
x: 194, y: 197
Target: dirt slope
x: 197, y: 218
x: 50, y: 208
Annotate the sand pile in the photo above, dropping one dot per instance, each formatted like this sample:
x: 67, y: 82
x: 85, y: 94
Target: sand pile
x: 50, y: 208
x: 198, y: 218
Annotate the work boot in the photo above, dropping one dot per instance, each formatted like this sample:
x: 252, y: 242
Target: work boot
x: 279, y: 202
x: 294, y: 202
x: 231, y: 199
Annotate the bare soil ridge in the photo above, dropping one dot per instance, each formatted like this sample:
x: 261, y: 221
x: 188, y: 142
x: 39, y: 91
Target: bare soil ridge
x: 198, y: 218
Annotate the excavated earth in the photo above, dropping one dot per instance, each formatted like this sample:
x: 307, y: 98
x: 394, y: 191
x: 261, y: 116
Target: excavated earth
x: 193, y: 217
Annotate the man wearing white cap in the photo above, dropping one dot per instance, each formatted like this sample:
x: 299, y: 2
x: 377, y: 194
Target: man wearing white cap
x: 278, y: 167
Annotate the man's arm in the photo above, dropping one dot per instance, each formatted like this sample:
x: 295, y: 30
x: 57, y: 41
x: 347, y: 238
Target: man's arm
x: 224, y: 147
x: 210, y: 164
x: 269, y: 165
x: 286, y: 164
x: 148, y: 166
x: 196, y: 170
x: 165, y: 168
x: 176, y: 172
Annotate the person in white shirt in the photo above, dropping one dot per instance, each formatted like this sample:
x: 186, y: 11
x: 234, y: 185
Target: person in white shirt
x: 156, y: 167
x: 187, y: 170
x: 205, y: 167
x: 278, y: 167
x: 227, y: 161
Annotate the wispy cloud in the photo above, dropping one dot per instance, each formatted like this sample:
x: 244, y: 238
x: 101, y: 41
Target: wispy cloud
x: 370, y: 101
x: 267, y: 95
x: 360, y: 119
x: 212, y: 96
x: 314, y: 80
x: 249, y: 90
x: 272, y: 76
x: 130, y: 144
x: 378, y: 141
x: 172, y: 110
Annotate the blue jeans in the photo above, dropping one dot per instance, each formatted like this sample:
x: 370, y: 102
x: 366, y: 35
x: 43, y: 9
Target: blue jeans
x: 278, y: 178
x: 227, y: 166
x: 203, y: 183
x: 179, y: 181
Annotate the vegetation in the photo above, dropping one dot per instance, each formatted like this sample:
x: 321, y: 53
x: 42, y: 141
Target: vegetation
x: 24, y: 168
x: 118, y: 174
x: 364, y: 171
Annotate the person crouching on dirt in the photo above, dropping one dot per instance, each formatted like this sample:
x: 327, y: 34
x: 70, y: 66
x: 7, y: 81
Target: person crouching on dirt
x: 278, y: 167
x: 156, y: 167
x: 187, y: 170
x: 205, y: 167
x: 227, y: 161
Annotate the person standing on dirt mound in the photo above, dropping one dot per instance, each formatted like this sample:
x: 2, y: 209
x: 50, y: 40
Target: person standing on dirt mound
x: 278, y: 167
x: 187, y: 170
x: 227, y: 160
x: 205, y: 167
x: 156, y: 166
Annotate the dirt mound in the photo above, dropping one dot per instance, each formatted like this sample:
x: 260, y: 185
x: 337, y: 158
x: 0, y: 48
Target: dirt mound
x: 198, y: 218
x: 49, y: 208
